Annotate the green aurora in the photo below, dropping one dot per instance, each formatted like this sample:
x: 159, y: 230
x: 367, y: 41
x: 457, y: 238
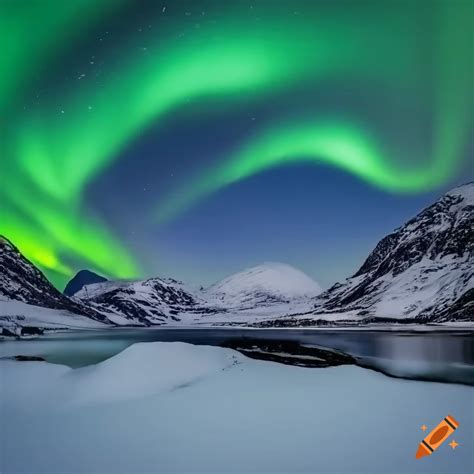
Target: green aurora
x: 52, y: 153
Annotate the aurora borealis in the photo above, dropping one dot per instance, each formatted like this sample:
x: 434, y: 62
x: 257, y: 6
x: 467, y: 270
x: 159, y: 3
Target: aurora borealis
x: 97, y: 95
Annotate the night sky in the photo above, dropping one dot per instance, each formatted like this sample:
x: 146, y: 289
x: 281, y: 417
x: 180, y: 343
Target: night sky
x: 192, y: 139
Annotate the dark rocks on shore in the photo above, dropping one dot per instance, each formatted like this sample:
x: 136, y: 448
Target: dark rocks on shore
x: 24, y: 358
x: 289, y: 352
x: 31, y: 331
x: 7, y: 332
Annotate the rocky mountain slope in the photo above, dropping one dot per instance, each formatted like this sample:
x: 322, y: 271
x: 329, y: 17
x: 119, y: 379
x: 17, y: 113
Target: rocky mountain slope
x: 23, y: 288
x: 262, y: 290
x: 146, y: 302
x: 81, y: 279
x: 423, y: 270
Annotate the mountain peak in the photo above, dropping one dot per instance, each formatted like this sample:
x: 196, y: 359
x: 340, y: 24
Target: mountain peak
x: 268, y: 282
x: 81, y: 279
x: 465, y: 191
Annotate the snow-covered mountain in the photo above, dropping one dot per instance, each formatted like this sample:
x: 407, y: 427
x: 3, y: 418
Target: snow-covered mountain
x: 263, y: 285
x: 423, y: 270
x: 81, y: 279
x: 241, y: 297
x: 145, y: 302
x: 25, y: 293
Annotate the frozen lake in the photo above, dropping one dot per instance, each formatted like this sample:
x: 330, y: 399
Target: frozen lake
x: 173, y: 407
x: 446, y: 356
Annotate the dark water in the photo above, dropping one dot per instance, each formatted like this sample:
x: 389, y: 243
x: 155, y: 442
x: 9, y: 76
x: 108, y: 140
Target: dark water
x: 445, y: 356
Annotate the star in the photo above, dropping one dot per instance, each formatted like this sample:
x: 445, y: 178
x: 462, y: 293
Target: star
x: 453, y: 444
x: 424, y: 427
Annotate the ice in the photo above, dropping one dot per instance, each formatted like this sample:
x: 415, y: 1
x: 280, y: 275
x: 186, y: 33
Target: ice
x: 168, y: 407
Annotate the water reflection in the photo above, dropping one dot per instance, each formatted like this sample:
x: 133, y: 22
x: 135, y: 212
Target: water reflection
x: 436, y: 356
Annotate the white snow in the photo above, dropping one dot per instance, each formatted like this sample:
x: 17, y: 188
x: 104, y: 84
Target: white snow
x: 16, y: 313
x: 277, y: 290
x: 427, y: 281
x: 423, y: 285
x: 96, y: 289
x: 266, y: 291
x: 216, y: 416
x: 145, y: 369
x: 466, y: 191
x: 277, y: 281
x: 155, y: 300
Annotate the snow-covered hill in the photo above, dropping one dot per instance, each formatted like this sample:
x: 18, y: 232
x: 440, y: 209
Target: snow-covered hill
x: 25, y: 293
x: 423, y: 270
x: 263, y: 285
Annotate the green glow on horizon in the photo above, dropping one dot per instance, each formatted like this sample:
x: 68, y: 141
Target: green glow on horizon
x: 53, y: 153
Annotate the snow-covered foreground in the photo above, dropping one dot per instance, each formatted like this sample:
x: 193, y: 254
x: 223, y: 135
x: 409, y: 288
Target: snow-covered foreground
x: 175, y: 407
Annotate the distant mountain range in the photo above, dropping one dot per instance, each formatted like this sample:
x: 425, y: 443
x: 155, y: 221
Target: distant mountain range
x: 243, y: 295
x: 422, y: 272
x: 143, y: 303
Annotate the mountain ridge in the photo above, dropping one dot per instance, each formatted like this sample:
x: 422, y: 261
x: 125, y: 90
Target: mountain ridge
x: 431, y: 253
x: 421, y: 272
x: 23, y: 287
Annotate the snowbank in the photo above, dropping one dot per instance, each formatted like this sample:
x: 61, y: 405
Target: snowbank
x: 183, y: 408
x: 146, y: 369
x: 16, y: 313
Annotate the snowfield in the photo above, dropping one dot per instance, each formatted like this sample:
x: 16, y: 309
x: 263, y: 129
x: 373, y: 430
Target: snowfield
x: 175, y: 407
x: 147, y: 369
x: 14, y: 314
